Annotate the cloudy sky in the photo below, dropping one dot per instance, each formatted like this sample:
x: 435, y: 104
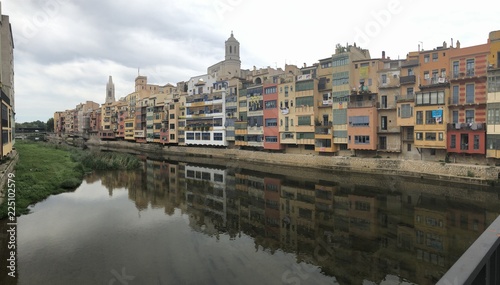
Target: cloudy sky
x: 66, y: 49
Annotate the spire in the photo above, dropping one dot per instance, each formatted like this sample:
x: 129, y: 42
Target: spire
x: 110, y: 90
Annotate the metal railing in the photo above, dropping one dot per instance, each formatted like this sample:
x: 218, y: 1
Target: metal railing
x: 480, y: 264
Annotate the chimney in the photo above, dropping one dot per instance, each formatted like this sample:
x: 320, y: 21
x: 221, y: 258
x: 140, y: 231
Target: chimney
x: 383, y: 54
x: 305, y: 65
x: 451, y: 45
x: 458, y: 44
x: 444, y: 44
x: 418, y: 47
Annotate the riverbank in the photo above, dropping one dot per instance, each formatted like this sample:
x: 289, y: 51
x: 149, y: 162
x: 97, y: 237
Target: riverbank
x: 434, y: 170
x: 45, y: 169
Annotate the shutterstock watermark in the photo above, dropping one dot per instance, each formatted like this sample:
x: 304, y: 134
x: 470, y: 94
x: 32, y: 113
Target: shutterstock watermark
x: 47, y: 11
x: 380, y: 19
x: 221, y: 7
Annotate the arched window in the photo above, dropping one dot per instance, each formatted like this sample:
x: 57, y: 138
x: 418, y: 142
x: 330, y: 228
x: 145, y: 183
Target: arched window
x: 230, y: 49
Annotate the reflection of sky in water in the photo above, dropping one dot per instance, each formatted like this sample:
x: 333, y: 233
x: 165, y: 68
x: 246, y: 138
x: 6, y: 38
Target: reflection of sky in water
x: 85, y: 236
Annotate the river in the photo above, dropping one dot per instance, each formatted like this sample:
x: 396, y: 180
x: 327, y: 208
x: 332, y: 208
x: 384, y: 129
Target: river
x: 182, y: 223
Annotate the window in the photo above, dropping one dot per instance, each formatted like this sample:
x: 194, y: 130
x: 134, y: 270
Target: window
x: 469, y: 116
x: 189, y: 136
x: 270, y: 90
x: 454, y: 97
x: 443, y: 73
x: 172, y: 136
x: 430, y: 98
x: 359, y: 121
x: 454, y: 115
x: 430, y: 136
x: 273, y: 122
x: 384, y: 102
x: 420, y: 118
x: 406, y: 111
x: 429, y: 119
x: 361, y: 139
x: 440, y: 136
x: 304, y: 120
x: 426, y: 74
x: 384, y: 78
x: 408, y: 147
x: 383, y: 122
x: 409, y: 91
x: 455, y: 69
x: 340, y: 61
x: 305, y: 101
x: 418, y: 136
x: 271, y: 139
x: 476, y: 142
x: 469, y: 93
x: 469, y: 67
x: 205, y: 136
x: 340, y: 78
x: 217, y: 136
x: 410, y: 71
x: 426, y: 58
x: 270, y: 104
x: 453, y: 141
x: 326, y: 64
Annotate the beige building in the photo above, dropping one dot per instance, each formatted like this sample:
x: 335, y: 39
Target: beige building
x: 389, y: 86
x: 7, y: 110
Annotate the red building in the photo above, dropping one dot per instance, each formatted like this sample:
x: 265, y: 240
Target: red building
x: 271, y: 117
x: 466, y: 131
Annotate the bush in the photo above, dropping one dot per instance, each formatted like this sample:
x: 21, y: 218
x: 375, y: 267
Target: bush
x: 71, y: 183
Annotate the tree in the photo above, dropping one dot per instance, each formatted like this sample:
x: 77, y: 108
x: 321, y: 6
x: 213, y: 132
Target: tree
x: 50, y: 125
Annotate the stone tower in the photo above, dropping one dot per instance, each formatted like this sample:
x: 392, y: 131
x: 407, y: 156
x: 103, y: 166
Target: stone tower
x: 232, y: 48
x: 110, y: 91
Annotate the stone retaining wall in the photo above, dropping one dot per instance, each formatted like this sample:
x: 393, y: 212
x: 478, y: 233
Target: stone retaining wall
x: 476, y: 174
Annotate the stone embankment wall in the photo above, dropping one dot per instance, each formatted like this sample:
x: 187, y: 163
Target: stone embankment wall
x: 5, y: 169
x: 476, y: 174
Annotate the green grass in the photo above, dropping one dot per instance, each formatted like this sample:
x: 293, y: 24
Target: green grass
x: 44, y: 170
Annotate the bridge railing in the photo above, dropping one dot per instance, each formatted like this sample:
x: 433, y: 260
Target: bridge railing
x: 480, y: 264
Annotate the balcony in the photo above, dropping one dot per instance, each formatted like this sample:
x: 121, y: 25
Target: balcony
x: 323, y: 130
x: 466, y: 126
x: 434, y: 81
x: 363, y: 104
x: 325, y: 103
x: 393, y: 83
x: 405, y: 98
x: 410, y: 79
x: 387, y: 106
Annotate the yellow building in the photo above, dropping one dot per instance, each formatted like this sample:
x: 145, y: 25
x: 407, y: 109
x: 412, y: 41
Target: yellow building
x: 493, y: 99
x: 410, y: 68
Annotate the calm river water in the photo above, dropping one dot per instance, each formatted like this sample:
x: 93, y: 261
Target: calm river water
x: 177, y: 223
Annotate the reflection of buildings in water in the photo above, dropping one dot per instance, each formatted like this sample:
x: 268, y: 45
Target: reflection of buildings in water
x: 206, y: 198
x: 352, y: 232
x: 158, y: 186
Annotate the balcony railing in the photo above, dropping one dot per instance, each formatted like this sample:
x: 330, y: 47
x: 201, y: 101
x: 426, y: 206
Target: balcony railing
x: 407, y: 97
x: 325, y: 103
x: 467, y: 126
x: 435, y: 81
x: 410, y: 79
x: 323, y: 130
x: 363, y: 104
